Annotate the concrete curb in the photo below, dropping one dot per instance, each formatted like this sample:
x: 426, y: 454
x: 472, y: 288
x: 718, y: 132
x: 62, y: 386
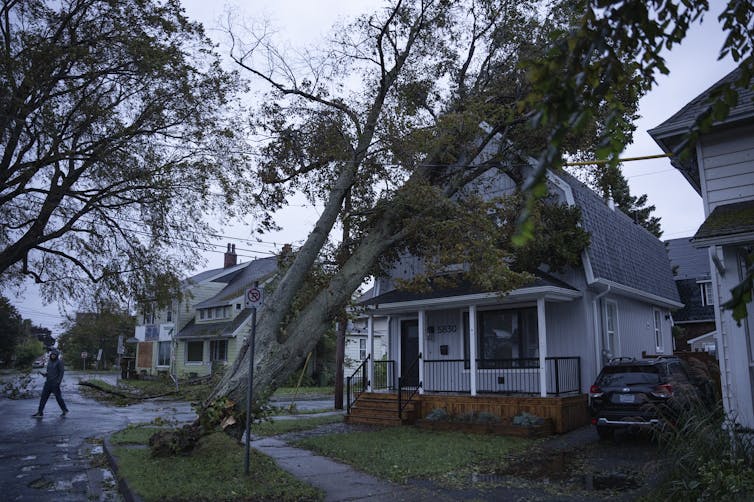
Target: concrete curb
x: 128, y: 494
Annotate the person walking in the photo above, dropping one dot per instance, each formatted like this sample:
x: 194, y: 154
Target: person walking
x: 54, y: 377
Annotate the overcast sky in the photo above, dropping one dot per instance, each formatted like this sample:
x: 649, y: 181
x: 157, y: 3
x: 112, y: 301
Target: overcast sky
x: 693, y: 68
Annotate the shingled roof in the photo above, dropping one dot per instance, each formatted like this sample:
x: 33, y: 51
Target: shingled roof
x: 671, y: 133
x: 688, y: 261
x: 256, y: 270
x: 621, y: 251
x: 214, y: 329
x: 728, y: 222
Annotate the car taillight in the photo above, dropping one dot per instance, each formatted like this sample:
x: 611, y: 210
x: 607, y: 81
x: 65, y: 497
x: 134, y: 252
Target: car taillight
x: 665, y: 390
x: 595, y: 391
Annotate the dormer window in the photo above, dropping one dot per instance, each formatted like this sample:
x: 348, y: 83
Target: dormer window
x: 201, y: 314
x: 209, y: 313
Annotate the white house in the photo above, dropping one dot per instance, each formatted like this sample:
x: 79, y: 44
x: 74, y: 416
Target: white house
x: 721, y: 170
x: 537, y: 348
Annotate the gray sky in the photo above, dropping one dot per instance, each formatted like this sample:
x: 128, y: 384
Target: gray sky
x: 693, y: 68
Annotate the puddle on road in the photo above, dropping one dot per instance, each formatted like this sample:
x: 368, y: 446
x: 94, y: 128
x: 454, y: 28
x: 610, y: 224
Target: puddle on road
x: 28, y: 468
x: 41, y: 484
x: 565, y: 468
x: 30, y: 457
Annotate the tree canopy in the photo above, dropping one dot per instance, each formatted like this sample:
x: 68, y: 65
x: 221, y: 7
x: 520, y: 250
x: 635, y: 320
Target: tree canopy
x: 116, y: 145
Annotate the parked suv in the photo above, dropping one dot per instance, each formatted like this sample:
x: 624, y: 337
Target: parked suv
x: 644, y: 393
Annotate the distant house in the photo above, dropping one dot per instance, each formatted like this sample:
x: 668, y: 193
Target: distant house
x: 691, y: 270
x: 537, y: 348
x: 207, y: 326
x: 721, y: 170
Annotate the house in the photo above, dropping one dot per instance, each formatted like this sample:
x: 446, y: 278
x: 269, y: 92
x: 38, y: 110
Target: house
x: 537, y: 348
x: 721, y: 170
x: 207, y: 326
x: 696, y: 320
x: 357, y: 339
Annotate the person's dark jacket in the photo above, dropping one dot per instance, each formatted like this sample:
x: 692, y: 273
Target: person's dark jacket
x: 55, y: 370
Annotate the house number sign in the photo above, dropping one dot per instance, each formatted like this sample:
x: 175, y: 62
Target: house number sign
x: 446, y: 328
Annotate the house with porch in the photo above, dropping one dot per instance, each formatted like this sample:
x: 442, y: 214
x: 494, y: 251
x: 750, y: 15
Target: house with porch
x: 721, y: 170
x: 207, y: 327
x: 537, y: 348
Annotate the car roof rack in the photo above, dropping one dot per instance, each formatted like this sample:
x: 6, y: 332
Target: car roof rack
x: 618, y: 360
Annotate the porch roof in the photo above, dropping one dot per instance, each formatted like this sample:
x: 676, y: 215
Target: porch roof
x: 223, y: 329
x: 464, y: 294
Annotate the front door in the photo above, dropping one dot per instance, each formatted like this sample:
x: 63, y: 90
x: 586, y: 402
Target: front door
x: 409, y: 352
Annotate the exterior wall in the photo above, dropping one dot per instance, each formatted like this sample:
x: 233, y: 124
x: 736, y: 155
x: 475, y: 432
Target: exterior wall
x: 636, y: 333
x: 734, y: 342
x: 727, y: 167
x: 568, y: 328
x: 352, y: 350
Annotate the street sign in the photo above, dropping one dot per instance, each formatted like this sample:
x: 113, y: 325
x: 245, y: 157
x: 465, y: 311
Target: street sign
x: 254, y: 297
x: 99, y: 355
x: 84, y: 355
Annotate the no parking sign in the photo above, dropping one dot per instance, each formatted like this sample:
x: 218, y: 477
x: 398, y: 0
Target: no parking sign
x: 254, y: 297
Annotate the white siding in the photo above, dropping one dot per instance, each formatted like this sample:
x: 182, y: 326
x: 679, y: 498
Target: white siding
x: 728, y: 167
x: 636, y: 331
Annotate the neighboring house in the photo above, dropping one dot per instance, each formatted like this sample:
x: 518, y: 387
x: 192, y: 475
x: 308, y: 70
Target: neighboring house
x: 357, y: 341
x: 208, y: 326
x: 691, y: 269
x: 537, y: 348
x: 721, y: 170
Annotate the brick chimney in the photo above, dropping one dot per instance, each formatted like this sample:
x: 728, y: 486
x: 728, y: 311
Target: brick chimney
x: 231, y: 259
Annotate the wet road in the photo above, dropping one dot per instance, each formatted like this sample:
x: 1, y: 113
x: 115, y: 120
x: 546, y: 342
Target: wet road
x: 50, y: 458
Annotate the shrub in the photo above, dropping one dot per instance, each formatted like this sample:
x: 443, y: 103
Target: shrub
x: 712, y: 457
x: 437, y: 415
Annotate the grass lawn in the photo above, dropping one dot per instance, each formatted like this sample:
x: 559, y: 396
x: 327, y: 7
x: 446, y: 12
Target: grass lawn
x: 293, y: 425
x: 214, y: 471
x: 401, y: 453
x: 303, y: 392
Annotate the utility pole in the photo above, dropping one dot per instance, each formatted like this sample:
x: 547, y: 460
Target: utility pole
x: 340, y: 336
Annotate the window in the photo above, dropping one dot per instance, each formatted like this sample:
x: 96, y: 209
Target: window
x: 238, y: 306
x: 209, y: 313
x: 163, y: 354
x: 170, y: 315
x: 610, y: 339
x: 362, y: 349
x: 503, y: 336
x: 705, y: 289
x: 194, y: 352
x: 201, y: 315
x: 218, y: 350
x: 226, y: 311
x: 218, y: 312
x: 658, y: 330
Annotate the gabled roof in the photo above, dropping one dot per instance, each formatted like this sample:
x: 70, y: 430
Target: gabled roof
x: 688, y: 261
x: 622, y: 252
x: 670, y: 134
x: 241, y: 279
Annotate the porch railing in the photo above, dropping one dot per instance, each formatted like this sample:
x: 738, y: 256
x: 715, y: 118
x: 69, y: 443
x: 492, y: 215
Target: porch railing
x: 507, y: 376
x: 356, y: 384
x: 384, y: 375
x: 408, y: 386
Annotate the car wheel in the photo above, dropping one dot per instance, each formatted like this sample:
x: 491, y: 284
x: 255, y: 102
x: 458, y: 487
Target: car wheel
x: 605, y: 432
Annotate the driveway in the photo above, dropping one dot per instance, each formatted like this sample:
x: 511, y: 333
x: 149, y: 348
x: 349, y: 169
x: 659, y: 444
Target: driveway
x: 51, y: 458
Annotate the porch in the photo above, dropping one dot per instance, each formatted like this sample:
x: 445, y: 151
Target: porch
x: 504, y: 388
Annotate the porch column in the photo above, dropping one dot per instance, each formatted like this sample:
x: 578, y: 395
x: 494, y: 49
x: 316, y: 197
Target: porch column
x: 542, y: 333
x: 472, y: 349
x: 370, y: 351
x: 422, y: 327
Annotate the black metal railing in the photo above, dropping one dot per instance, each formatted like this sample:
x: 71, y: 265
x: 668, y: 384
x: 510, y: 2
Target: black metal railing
x: 408, y: 385
x: 356, y: 384
x: 508, y: 376
x: 384, y: 375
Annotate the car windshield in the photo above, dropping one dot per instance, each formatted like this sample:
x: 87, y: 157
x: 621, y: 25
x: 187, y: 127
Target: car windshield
x: 620, y: 376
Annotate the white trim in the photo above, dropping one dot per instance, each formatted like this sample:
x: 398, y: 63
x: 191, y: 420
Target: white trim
x: 542, y: 334
x: 551, y: 293
x: 702, y: 179
x: 370, y: 351
x: 422, y: 328
x: 723, y: 240
x: 637, y: 293
x: 700, y: 337
x: 472, y: 348
x: 616, y: 350
x: 657, y: 330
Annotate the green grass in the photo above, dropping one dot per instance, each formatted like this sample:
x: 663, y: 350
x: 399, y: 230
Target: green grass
x: 402, y: 453
x: 214, y: 471
x: 293, y: 425
x: 133, y: 434
x: 289, y: 392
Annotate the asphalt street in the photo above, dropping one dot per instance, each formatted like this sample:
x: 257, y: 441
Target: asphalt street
x: 51, y: 458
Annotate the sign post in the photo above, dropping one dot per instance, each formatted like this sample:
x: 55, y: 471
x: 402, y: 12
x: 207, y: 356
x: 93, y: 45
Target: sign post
x: 84, y: 355
x: 254, y: 299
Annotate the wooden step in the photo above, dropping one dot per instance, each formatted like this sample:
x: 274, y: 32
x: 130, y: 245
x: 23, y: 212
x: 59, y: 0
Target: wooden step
x: 382, y: 409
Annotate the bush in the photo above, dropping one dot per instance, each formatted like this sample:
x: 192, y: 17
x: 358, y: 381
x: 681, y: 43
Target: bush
x: 712, y: 457
x: 27, y: 351
x: 437, y: 415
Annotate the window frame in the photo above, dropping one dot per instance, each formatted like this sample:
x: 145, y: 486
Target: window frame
x: 213, y: 349
x: 615, y: 347
x: 160, y: 346
x: 659, y: 345
x: 521, y: 337
x: 362, y: 349
x: 705, y: 292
